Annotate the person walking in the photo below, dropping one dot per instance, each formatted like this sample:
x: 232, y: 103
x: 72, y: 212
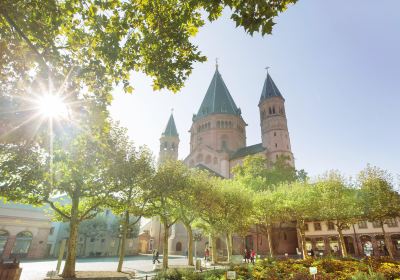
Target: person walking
x: 206, y: 254
x: 156, y: 255
x: 252, y: 256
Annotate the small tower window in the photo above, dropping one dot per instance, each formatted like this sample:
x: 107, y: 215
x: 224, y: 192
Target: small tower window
x: 274, y: 133
x: 276, y: 145
x: 270, y: 110
x: 273, y: 110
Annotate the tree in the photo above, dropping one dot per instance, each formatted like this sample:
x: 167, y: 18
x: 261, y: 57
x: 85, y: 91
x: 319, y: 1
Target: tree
x: 298, y: 202
x: 339, y: 203
x: 76, y: 167
x: 131, y: 171
x: 260, y: 174
x: 266, y: 213
x: 380, y: 200
x: 186, y: 199
x: 102, y: 42
x: 92, y: 228
x: 170, y: 179
x: 209, y: 210
x: 237, y: 207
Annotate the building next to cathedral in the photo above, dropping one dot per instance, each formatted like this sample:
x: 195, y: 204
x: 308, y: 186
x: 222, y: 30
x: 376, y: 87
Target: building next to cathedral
x: 218, y: 143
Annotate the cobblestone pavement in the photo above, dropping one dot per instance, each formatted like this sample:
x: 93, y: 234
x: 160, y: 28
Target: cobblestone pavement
x: 36, y: 270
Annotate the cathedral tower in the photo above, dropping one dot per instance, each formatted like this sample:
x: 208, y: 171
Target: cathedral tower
x: 218, y: 123
x: 169, y: 142
x: 218, y: 129
x: 274, y: 129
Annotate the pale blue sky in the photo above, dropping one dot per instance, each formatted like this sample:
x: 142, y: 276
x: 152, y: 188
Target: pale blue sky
x: 336, y: 62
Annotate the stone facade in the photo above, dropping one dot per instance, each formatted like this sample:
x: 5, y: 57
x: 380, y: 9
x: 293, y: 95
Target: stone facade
x: 218, y: 143
x: 322, y: 237
x: 23, y: 231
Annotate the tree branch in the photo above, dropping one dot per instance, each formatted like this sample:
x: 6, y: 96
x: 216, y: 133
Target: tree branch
x: 52, y: 205
x: 24, y: 37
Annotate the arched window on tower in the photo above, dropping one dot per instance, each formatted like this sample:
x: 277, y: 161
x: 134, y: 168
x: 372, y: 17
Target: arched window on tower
x: 270, y: 110
x: 173, y: 146
x: 165, y: 146
x: 273, y: 110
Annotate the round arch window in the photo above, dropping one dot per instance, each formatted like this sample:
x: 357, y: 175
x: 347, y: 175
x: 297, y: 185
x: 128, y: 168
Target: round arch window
x: 22, y: 243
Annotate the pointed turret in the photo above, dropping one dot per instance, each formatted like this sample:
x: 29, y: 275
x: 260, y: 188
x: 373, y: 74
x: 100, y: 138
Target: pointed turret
x: 269, y: 89
x: 169, y: 142
x: 170, y: 130
x: 274, y: 129
x: 217, y: 100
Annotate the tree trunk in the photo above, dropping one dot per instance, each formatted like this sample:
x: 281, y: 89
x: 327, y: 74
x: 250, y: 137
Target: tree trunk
x: 269, y: 236
x: 229, y: 245
x: 165, y: 245
x: 301, y: 232
x: 387, y: 242
x: 341, y: 240
x: 214, y: 256
x: 190, y: 244
x: 69, y: 268
x: 125, y: 224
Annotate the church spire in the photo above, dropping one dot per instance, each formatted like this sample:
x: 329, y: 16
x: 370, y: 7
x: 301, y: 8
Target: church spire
x: 269, y: 89
x: 217, y: 100
x: 171, y: 130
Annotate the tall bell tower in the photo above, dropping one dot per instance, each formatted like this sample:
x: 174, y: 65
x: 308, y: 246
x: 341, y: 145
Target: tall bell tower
x: 169, y: 142
x: 274, y: 128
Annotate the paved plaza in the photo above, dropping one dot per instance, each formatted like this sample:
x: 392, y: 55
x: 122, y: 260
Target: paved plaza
x: 36, y: 270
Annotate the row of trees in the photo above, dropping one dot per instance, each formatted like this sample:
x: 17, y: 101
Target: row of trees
x: 331, y: 197
x: 99, y: 169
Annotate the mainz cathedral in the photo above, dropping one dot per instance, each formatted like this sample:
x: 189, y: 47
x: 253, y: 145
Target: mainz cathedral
x: 217, y: 144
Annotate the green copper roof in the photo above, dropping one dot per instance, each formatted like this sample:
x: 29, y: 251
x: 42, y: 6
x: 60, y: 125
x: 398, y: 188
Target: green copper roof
x: 218, y: 100
x: 269, y: 89
x: 249, y: 150
x: 170, y: 130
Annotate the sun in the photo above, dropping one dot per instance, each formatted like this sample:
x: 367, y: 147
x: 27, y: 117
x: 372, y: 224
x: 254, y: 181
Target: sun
x: 52, y: 106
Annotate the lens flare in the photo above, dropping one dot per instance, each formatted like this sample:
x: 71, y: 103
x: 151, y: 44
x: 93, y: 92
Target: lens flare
x: 52, y: 106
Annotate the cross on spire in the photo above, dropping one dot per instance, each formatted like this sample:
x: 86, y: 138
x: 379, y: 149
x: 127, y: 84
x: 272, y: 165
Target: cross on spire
x: 216, y: 63
x: 266, y: 68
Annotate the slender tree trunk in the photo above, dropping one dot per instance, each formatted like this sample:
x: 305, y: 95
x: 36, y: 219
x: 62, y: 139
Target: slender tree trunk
x: 214, y: 255
x: 125, y: 224
x: 229, y: 245
x: 341, y: 240
x: 387, y: 242
x: 84, y: 244
x: 69, y: 268
x: 269, y: 236
x: 301, y: 232
x: 165, y: 245
x: 190, y: 243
